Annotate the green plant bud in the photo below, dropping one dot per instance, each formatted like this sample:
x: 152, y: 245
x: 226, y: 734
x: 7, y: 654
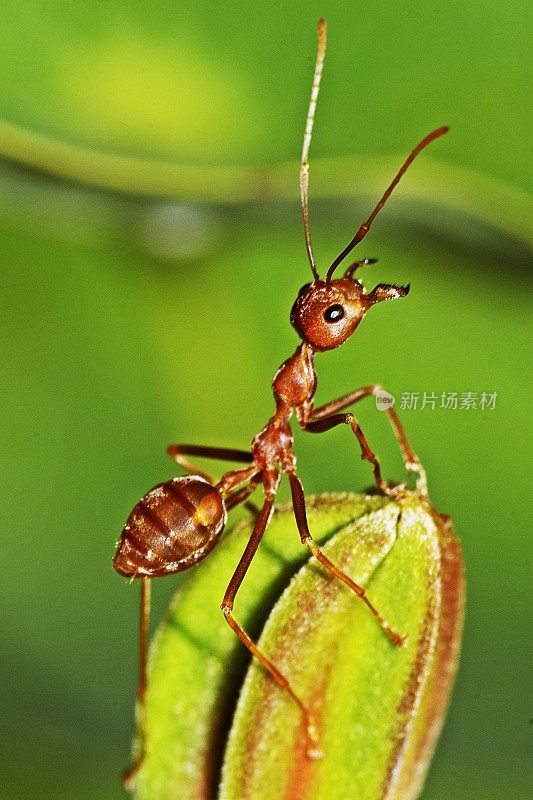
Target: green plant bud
x: 220, y: 728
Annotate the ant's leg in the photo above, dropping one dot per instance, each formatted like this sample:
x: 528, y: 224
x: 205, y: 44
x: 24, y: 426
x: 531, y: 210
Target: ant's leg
x: 128, y: 778
x: 326, y: 423
x: 240, y: 496
x: 227, y: 608
x: 298, y: 502
x: 230, y: 480
x: 178, y: 452
x: 411, y: 460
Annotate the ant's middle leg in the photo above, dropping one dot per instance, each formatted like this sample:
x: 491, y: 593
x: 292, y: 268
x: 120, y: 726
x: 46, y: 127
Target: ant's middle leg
x: 411, y: 460
x: 179, y: 453
x: 227, y: 608
x: 298, y: 502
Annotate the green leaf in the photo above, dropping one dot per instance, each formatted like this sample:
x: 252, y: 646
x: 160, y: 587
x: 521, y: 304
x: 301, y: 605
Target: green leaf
x: 504, y: 206
x: 366, y: 694
x: 378, y: 707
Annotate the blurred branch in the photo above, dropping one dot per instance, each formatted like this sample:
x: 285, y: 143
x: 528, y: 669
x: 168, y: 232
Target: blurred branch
x: 504, y: 207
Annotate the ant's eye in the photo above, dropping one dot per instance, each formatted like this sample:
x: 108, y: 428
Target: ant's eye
x: 304, y: 288
x: 334, y: 313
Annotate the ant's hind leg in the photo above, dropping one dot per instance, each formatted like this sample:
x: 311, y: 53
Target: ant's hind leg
x: 128, y: 777
x: 227, y: 608
x: 298, y: 502
x: 241, y: 496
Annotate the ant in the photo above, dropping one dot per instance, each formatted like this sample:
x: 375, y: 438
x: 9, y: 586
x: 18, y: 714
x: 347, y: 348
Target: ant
x: 178, y: 522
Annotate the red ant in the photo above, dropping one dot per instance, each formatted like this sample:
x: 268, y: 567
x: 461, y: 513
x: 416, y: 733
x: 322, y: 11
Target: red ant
x: 179, y: 522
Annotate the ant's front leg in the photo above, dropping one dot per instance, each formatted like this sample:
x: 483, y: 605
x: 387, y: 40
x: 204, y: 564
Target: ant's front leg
x: 326, y: 423
x: 411, y: 460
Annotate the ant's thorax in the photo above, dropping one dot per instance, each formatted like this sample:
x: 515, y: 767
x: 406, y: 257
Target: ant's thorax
x: 294, y: 386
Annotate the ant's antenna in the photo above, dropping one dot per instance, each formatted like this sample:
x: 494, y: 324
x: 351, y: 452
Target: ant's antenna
x: 304, y: 169
x: 363, y: 230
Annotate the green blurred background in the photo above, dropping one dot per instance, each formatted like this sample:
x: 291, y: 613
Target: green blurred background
x: 134, y: 319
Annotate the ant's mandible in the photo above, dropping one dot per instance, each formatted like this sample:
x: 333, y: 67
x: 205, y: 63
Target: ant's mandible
x: 179, y: 522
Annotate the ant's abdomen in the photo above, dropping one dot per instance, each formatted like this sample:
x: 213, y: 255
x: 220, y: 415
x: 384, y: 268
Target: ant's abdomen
x: 173, y: 527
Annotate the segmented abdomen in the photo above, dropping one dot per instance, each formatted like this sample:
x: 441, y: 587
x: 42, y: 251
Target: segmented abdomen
x: 174, y: 526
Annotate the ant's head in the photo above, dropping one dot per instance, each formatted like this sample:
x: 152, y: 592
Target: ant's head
x: 327, y: 312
